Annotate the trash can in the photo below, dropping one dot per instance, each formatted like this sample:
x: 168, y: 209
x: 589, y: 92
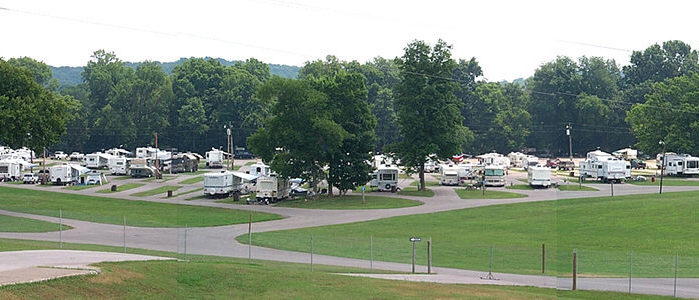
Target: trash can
x: 393, y: 189
x: 114, y: 188
x: 652, y: 179
x: 169, y: 193
x: 572, y: 174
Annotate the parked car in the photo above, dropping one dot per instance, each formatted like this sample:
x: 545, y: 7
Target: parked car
x: 552, y: 163
x: 76, y: 156
x: 566, y: 165
x: 638, y: 164
x: 242, y: 153
x: 60, y: 155
x: 30, y: 178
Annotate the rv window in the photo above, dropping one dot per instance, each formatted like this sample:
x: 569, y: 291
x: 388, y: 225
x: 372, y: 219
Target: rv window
x: 373, y: 176
x: 679, y: 163
x: 388, y: 176
x: 692, y: 164
x: 628, y: 166
x: 599, y: 166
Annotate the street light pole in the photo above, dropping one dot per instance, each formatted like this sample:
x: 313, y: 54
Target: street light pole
x: 662, y: 167
x: 570, y: 141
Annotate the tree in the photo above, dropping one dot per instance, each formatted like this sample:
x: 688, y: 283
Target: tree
x: 671, y: 114
x: 656, y: 63
x: 429, y: 120
x: 41, y: 72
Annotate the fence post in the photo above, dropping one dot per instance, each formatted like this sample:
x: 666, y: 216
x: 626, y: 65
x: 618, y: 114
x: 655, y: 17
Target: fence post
x: 630, y: 268
x: 413, y: 257
x: 250, y: 238
x: 429, y: 256
x: 575, y: 271
x: 311, y: 253
x: 674, y: 293
x: 124, y: 234
x: 543, y: 258
x: 185, y: 242
x: 371, y: 253
x: 60, y: 228
x: 612, y: 188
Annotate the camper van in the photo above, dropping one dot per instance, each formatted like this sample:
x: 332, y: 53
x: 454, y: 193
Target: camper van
x: 272, y: 188
x: 539, y: 176
x: 385, y: 178
x: 529, y: 161
x: 449, y: 175
x: 494, y: 175
x: 10, y: 170
x: 603, y: 166
x: 65, y: 174
x: 214, y: 158
x: 118, y: 165
x: 97, y: 160
x: 259, y: 169
x: 682, y: 165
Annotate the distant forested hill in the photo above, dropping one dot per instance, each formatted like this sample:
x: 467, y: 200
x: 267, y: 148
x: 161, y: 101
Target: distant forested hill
x: 71, y: 75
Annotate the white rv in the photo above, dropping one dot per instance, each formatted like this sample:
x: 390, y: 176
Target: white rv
x: 494, y: 175
x: 118, y: 152
x: 682, y: 165
x: 516, y: 159
x: 225, y: 183
x: 626, y: 153
x: 539, y: 176
x: 214, y: 158
x: 272, y: 188
x: 494, y: 159
x: 259, y: 169
x: 603, y: 166
x: 97, y: 160
x: 529, y: 161
x: 65, y: 174
x: 384, y: 178
x: 429, y: 166
x: 118, y: 165
x: 10, y: 170
x: 449, y: 175
x: 94, y: 177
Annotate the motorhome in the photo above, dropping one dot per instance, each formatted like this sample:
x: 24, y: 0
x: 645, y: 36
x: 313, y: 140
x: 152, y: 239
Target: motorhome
x: 10, y: 170
x: 66, y: 174
x: 118, y: 165
x: 385, y: 178
x: 449, y: 175
x: 152, y: 153
x: 529, y: 161
x: 139, y: 167
x: 97, y: 160
x: 603, y: 166
x: 214, y: 158
x: 429, y: 166
x: 682, y: 165
x: 259, y: 169
x: 183, y: 162
x: 494, y: 175
x: 494, y: 159
x: 516, y: 159
x: 539, y: 176
x: 272, y: 188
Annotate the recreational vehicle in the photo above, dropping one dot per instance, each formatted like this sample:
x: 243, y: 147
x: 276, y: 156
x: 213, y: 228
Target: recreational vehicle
x: 214, y: 158
x: 385, y: 178
x: 516, y: 159
x: 10, y: 170
x: 539, y: 176
x: 272, y: 188
x: 139, y: 167
x: 682, y: 165
x: 626, y: 153
x: 118, y: 165
x: 94, y: 177
x: 97, y: 160
x: 259, y: 169
x: 494, y: 175
x: 603, y: 166
x: 493, y: 159
x: 118, y: 152
x: 65, y: 174
x: 225, y: 183
x: 529, y: 161
x: 60, y: 155
x: 183, y: 162
x: 76, y: 156
x: 449, y: 175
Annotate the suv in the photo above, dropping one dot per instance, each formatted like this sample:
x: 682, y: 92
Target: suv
x: 566, y: 165
x: 638, y: 164
x: 30, y: 178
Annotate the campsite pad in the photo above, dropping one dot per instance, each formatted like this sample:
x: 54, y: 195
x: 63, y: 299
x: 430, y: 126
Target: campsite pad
x: 40, y: 265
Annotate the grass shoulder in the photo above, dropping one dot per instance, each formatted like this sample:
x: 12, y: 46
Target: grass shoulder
x: 575, y: 187
x: 349, y: 202
x: 121, y: 188
x: 489, y: 194
x: 413, y: 191
x: 156, y: 191
x: 17, y: 224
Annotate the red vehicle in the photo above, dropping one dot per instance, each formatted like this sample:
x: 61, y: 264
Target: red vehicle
x: 552, y: 163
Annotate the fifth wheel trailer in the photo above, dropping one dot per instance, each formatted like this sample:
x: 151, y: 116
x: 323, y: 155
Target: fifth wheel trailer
x: 682, y: 165
x: 603, y: 166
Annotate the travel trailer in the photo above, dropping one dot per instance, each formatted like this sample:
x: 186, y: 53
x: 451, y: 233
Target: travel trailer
x: 494, y: 175
x: 214, y: 158
x: 10, y: 170
x: 259, y: 169
x: 603, y: 166
x: 118, y: 152
x: 152, y: 153
x: 225, y: 183
x: 529, y: 161
x: 494, y: 159
x: 94, y: 177
x: 449, y: 175
x: 118, y: 165
x: 183, y: 162
x: 626, y: 153
x: 385, y: 178
x: 539, y: 176
x: 516, y: 159
x: 66, y: 174
x: 97, y: 160
x: 272, y: 188
x: 139, y: 167
x: 682, y: 165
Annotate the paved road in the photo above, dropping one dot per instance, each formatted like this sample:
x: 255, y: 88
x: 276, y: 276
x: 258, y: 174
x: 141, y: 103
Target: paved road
x: 221, y: 240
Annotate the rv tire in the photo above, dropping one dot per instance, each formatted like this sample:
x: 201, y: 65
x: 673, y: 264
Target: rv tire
x: 388, y: 187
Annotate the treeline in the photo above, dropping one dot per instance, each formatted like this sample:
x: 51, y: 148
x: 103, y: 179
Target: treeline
x: 607, y: 105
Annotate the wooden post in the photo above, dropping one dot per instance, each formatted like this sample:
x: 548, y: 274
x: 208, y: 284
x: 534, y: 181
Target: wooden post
x: 630, y: 267
x: 250, y: 238
x: 311, y: 253
x: 575, y: 271
x: 413, y: 257
x: 185, y: 242
x: 60, y: 228
x: 371, y: 253
x: 124, y: 234
x: 543, y: 258
x: 429, y: 256
x: 674, y: 293
x: 612, y: 188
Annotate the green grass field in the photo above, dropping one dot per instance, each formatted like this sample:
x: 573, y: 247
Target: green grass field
x: 121, y: 188
x: 156, y: 191
x: 427, y: 183
x: 186, y: 193
x: 412, y: 191
x: 80, y: 187
x: 666, y: 182
x: 575, y: 187
x: 489, y: 194
x: 223, y: 278
x: 165, y: 178
x: 120, y: 177
x: 112, y: 211
x: 192, y: 180
x: 603, y: 230
x: 349, y: 202
x: 520, y: 187
x: 17, y: 224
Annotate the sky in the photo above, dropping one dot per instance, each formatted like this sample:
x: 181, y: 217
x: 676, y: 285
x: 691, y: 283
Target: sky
x: 509, y: 39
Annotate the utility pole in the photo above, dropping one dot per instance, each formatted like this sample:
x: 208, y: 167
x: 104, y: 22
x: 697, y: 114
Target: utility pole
x: 228, y: 145
x: 570, y: 141
x: 662, y: 167
x: 157, y: 170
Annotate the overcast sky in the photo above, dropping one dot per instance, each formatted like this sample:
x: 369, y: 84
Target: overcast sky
x: 510, y: 39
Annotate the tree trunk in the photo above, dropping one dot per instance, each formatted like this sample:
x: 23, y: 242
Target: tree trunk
x: 330, y: 183
x: 422, y: 176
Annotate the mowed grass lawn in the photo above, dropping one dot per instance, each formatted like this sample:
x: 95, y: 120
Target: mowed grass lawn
x: 158, y: 190
x: 192, y: 180
x: 230, y: 278
x: 489, y: 194
x: 112, y: 211
x: 666, y: 182
x: 575, y: 187
x: 17, y: 224
x: 413, y: 191
x: 121, y: 188
x: 349, y: 202
x: 603, y: 230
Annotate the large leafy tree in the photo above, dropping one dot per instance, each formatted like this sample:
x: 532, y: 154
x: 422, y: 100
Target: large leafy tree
x: 670, y: 113
x: 657, y: 63
x: 429, y: 119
